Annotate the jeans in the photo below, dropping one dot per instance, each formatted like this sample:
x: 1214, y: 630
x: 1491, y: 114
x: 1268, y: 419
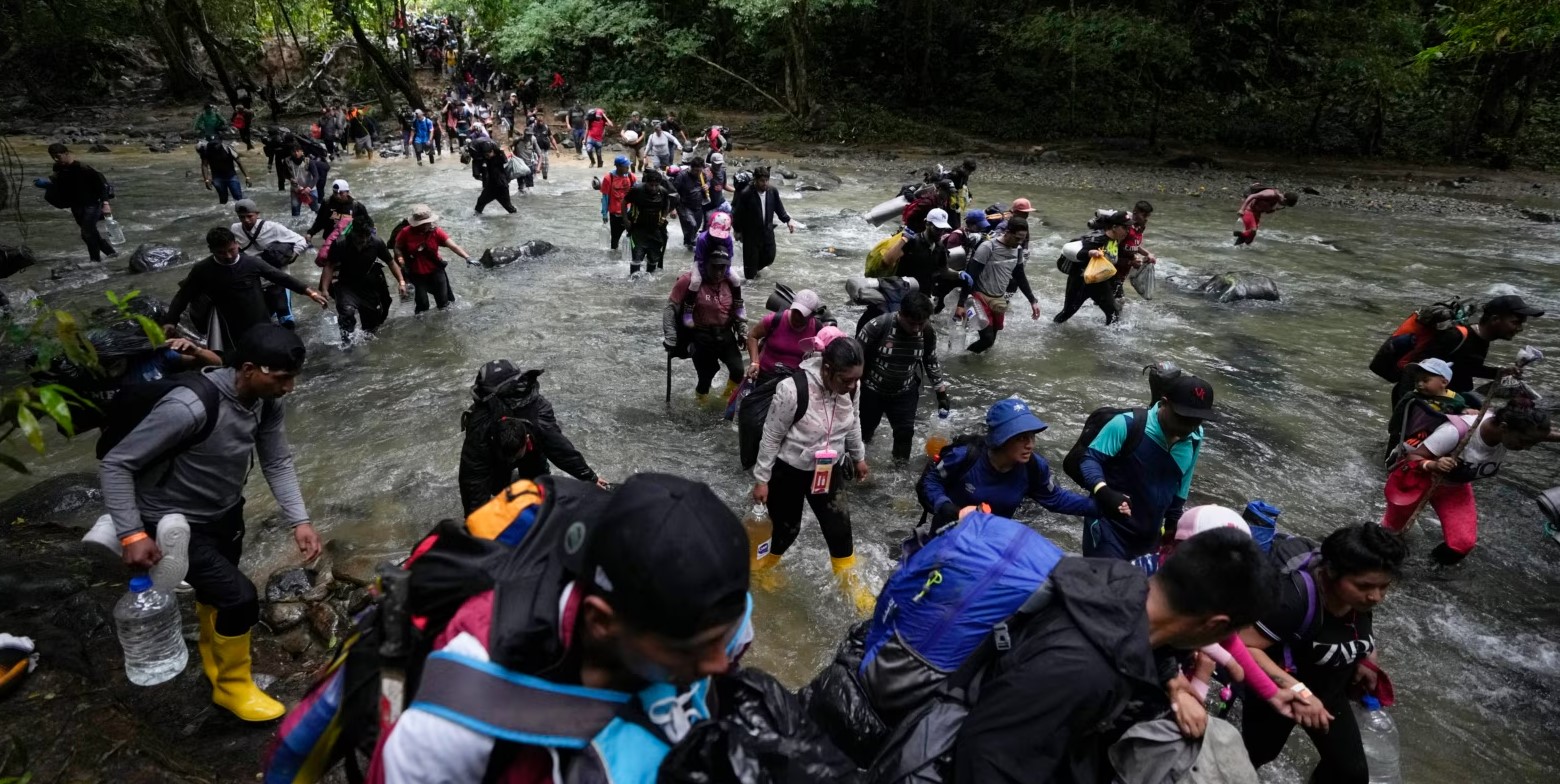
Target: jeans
x: 215, y: 549
x: 788, y: 487
x: 436, y: 283
x: 692, y: 219
x: 225, y: 187
x: 578, y: 134
x: 900, y: 410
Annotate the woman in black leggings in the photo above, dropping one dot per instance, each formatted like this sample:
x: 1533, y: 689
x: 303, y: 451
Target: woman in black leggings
x: 1318, y: 642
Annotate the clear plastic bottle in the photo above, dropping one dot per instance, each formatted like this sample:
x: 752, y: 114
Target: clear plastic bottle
x: 941, y: 435
x: 110, y: 230
x: 1379, y: 736
x: 150, y: 632
x: 760, y: 531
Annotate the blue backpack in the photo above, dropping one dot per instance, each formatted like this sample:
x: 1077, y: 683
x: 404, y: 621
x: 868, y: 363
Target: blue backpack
x: 944, y: 601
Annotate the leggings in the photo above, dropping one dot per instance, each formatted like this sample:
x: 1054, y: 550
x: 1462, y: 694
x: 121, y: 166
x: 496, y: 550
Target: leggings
x: 1265, y: 732
x: 900, y: 410
x: 788, y: 487
x: 436, y: 283
x: 1078, y: 292
x: 1454, y: 504
x: 215, y: 549
x: 713, y: 347
x: 619, y: 225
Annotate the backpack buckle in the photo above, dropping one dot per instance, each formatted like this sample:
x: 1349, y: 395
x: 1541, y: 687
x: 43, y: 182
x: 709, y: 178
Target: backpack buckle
x: 1000, y: 633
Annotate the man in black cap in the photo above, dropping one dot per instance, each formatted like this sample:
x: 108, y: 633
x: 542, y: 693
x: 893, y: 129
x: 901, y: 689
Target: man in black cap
x: 79, y: 188
x: 511, y: 428
x: 1146, y: 462
x: 658, y: 606
x: 1467, y: 348
x: 190, y: 455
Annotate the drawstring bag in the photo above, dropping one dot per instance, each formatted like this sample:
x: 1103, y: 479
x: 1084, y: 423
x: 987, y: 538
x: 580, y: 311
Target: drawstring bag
x: 1099, y: 270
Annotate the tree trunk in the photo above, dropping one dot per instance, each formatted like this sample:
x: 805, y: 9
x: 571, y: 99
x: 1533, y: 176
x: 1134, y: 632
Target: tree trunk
x: 195, y: 19
x: 170, y: 28
x: 796, y: 60
x: 1316, y: 120
x: 1153, y: 123
x: 387, y: 69
x: 286, y: 17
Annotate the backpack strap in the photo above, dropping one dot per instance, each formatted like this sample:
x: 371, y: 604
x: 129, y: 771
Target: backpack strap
x: 511, y: 706
x: 1137, y: 426
x: 802, y: 393
x: 1297, y: 566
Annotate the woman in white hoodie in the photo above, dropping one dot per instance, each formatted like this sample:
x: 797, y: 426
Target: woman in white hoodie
x: 804, y: 445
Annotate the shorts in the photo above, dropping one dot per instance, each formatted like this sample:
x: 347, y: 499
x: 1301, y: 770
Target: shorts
x: 592, y: 144
x: 363, y: 144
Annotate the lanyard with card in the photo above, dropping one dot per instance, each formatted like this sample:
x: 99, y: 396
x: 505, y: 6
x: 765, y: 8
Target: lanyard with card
x: 823, y: 470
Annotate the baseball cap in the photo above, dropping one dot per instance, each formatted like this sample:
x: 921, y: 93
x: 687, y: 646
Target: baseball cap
x: 717, y: 159
x: 1510, y: 304
x: 826, y: 336
x: 272, y: 347
x: 1192, y: 397
x: 1439, y: 367
x: 246, y: 207
x: 1207, y: 518
x: 621, y: 160
x: 1022, y: 205
x: 977, y: 217
x: 805, y: 302
x: 720, y: 225
x: 669, y: 556
x: 340, y: 186
x: 939, y: 218
x: 1008, y: 418
x: 718, y: 256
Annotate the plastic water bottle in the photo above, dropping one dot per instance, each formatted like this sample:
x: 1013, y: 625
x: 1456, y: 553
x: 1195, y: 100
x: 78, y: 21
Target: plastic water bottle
x: 760, y: 531
x: 147, y: 621
x: 1379, y: 735
x: 109, y: 228
x: 941, y: 435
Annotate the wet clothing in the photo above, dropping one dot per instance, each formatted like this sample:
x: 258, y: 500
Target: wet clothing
x: 1417, y: 415
x: 752, y: 217
x: 82, y: 190
x: 1468, y: 356
x: 1453, y: 499
x: 1251, y: 211
x: 693, y: 192
x: 645, y: 207
x: 358, y: 284
x: 1157, y: 476
x: 614, y: 190
x: 717, y: 331
x: 485, y: 471
x: 1078, y: 673
x: 493, y: 171
x: 1102, y: 293
x: 425, y: 269
x: 784, y: 344
x: 997, y: 271
x: 895, y: 359
x: 925, y: 259
x: 964, y: 476
x: 235, y: 291
x: 325, y: 221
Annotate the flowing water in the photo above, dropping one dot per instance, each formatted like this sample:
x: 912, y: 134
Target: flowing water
x: 376, y: 429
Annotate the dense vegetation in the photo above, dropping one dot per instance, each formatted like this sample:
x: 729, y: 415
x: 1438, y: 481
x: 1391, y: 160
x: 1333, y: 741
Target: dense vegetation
x: 1465, y: 79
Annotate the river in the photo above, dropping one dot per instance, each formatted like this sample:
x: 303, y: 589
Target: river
x: 1476, y: 657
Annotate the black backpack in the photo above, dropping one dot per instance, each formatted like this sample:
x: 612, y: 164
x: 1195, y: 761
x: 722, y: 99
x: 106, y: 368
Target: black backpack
x: 1072, y: 465
x: 132, y: 405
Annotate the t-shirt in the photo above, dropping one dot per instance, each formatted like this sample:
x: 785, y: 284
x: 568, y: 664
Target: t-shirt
x: 1480, y: 460
x: 221, y: 159
x: 671, y: 126
x: 596, y: 126
x: 784, y: 344
x: 713, y: 306
x: 999, y: 262
x: 1324, y: 661
x: 421, y: 248
x: 576, y: 117
x: 543, y: 135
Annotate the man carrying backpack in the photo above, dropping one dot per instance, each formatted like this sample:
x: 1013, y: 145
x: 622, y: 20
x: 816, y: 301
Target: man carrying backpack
x: 231, y: 280
x: 274, y: 244
x: 1083, y: 668
x: 1467, y: 349
x: 657, y: 604
x: 510, y: 427
x: 899, y: 347
x: 190, y: 454
x: 81, y: 189
x: 1145, y: 460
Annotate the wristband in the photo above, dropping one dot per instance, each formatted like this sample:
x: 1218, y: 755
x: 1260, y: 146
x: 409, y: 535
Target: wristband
x: 126, y: 541
x: 1097, y: 488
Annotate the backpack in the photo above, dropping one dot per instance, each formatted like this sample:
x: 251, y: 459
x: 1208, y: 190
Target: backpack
x: 1072, y: 465
x: 958, y: 591
x: 884, y: 257
x: 1409, y: 342
x: 1293, y: 555
x: 132, y: 405
x: 529, y: 540
x: 953, y: 473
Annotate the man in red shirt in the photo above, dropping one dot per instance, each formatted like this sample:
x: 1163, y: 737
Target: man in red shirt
x: 614, y: 187
x: 417, y: 246
x: 1258, y: 204
x: 596, y: 124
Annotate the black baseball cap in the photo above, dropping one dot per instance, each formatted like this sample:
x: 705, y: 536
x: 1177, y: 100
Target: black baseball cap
x: 1191, y: 397
x: 1510, y: 304
x: 669, y: 556
x: 272, y: 347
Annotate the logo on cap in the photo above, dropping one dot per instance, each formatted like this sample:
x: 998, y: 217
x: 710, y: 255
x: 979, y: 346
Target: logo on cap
x: 1200, y: 392
x: 574, y: 538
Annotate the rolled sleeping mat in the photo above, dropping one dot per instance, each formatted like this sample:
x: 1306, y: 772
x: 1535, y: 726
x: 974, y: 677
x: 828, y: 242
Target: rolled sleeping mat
x: 780, y: 298
x: 1068, y: 258
x: 958, y: 258
x: 881, y: 214
x: 1549, y: 504
x: 863, y: 291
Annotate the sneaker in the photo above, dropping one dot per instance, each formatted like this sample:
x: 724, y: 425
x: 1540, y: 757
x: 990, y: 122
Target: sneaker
x: 173, y: 539
x: 103, y: 535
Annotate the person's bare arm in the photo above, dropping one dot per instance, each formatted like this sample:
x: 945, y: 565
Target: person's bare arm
x: 326, y: 274
x: 459, y: 251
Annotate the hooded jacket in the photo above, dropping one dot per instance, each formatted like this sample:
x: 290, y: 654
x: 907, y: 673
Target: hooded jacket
x: 485, y: 470
x: 831, y: 421
x: 1049, y: 708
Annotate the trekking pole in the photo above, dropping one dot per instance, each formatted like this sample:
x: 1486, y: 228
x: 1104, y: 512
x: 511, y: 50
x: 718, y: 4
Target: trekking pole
x: 1527, y: 356
x: 668, y: 378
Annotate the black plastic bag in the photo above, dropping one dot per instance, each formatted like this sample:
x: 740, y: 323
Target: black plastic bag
x: 150, y: 257
x: 839, y: 704
x: 14, y: 259
x: 762, y: 736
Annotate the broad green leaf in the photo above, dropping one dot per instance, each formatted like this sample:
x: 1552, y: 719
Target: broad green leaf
x: 29, y: 427
x: 53, y: 404
x: 13, y: 464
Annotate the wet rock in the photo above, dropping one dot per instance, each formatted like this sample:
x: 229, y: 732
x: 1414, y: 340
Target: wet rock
x: 61, y: 497
x: 784, y: 171
x: 1538, y: 217
x: 281, y: 616
x: 807, y: 187
x: 297, y: 641
x: 298, y: 584
x: 99, y: 148
x: 504, y: 256
x: 1236, y: 286
x: 1309, y: 190
x: 150, y: 257
x: 14, y: 259
x: 354, y: 569
x: 328, y: 623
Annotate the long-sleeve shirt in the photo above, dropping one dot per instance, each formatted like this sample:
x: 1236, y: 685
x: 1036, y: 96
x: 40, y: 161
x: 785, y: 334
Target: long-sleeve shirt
x: 965, y: 477
x: 484, y: 471
x: 326, y: 219
x: 234, y: 289
x: 207, y: 480
x: 1468, y: 355
x: 831, y: 422
x: 693, y: 188
x: 893, y: 356
x: 997, y: 271
x: 267, y: 233
x: 1157, y: 476
x: 76, y: 185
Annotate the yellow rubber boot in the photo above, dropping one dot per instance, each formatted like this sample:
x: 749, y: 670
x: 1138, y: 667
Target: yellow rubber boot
x: 853, y: 585
x: 766, y: 574
x: 208, y: 629
x: 235, y: 688
x: 731, y: 386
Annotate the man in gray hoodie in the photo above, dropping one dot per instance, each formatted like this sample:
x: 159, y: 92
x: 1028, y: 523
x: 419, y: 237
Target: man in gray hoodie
x: 156, y: 470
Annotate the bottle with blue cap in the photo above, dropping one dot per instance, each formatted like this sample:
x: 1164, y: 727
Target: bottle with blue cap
x: 147, y: 622
x: 1379, y: 737
x: 941, y: 435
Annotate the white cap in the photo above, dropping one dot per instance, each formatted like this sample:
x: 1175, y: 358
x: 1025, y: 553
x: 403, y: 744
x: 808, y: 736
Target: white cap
x: 1207, y: 518
x: 717, y: 159
x: 939, y: 218
x: 805, y: 302
x: 340, y: 186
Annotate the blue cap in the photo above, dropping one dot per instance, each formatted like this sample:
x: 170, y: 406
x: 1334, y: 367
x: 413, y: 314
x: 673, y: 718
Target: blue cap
x: 977, y: 217
x: 621, y: 160
x: 141, y: 583
x: 1008, y: 418
x: 1370, y: 703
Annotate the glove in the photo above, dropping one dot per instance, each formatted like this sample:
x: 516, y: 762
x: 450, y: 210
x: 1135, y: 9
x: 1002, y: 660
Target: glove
x: 942, y: 400
x: 41, y: 182
x: 945, y: 513
x: 1108, y: 500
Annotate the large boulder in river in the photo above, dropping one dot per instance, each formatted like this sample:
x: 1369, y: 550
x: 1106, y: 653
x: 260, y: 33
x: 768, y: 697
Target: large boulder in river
x: 150, y: 257
x: 1236, y: 286
x: 504, y: 256
x: 14, y: 259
